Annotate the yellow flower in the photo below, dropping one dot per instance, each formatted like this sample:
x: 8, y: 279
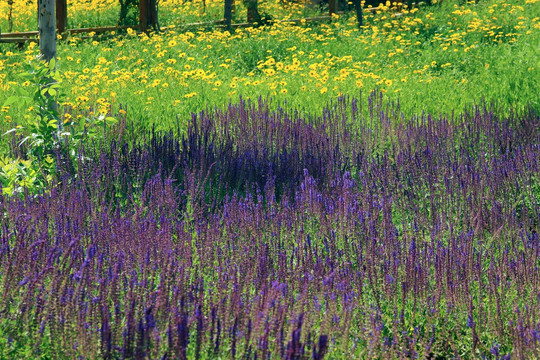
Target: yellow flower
x: 67, y: 117
x: 283, y: 91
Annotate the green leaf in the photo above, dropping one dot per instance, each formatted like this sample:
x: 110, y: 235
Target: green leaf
x: 11, y: 100
x: 41, y: 73
x: 26, y: 76
x: 52, y: 64
x: 52, y: 123
x: 8, y: 190
x: 10, y: 131
x: 24, y: 140
x: 56, y: 76
x: 21, y: 92
x: 110, y: 120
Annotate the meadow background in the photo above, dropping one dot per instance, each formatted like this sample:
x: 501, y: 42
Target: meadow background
x: 282, y: 191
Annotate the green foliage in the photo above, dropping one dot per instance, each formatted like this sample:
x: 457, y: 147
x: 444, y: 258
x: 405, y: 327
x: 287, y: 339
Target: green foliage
x: 128, y: 12
x: 44, y: 132
x: 15, y: 175
x: 44, y: 135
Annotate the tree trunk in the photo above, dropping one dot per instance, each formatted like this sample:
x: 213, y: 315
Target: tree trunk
x: 47, y: 39
x: 332, y: 6
x: 10, y: 16
x: 359, y: 15
x: 143, y: 15
x: 148, y: 14
x: 47, y: 29
x: 61, y: 16
x: 253, y: 15
x: 228, y: 13
x: 153, y: 4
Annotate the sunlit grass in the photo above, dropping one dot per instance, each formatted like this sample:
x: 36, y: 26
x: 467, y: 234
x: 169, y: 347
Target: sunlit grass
x: 433, y: 59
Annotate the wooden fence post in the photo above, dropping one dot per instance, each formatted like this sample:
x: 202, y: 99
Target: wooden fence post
x: 61, y: 16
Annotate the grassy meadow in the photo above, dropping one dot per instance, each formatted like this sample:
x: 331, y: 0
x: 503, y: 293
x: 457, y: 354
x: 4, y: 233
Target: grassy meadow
x: 438, y: 59
x: 288, y: 191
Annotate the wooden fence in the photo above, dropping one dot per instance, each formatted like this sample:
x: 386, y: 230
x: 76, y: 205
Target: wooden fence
x: 148, y: 19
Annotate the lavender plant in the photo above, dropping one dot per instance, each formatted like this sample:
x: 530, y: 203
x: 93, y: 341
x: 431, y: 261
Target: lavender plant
x: 278, y: 235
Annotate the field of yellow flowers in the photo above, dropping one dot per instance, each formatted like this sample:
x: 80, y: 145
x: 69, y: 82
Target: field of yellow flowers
x: 435, y: 59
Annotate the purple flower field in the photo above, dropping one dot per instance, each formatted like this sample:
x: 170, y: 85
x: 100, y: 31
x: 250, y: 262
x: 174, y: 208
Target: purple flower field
x: 262, y: 234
